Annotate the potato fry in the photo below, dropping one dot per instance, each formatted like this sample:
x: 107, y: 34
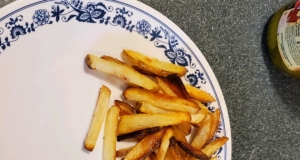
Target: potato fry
x: 212, y: 147
x: 154, y: 65
x: 123, y: 152
x: 215, y: 123
x: 125, y: 108
x: 197, y: 153
x: 142, y: 149
x: 124, y: 72
x: 98, y: 118
x: 153, y: 156
x: 178, y: 134
x: 131, y: 123
x: 164, y: 144
x: 201, y: 105
x: 176, y: 84
x: 199, y: 94
x: 115, y: 60
x: 172, y: 154
x: 186, y: 128
x: 214, y: 158
x: 165, y: 88
x: 165, y: 112
x: 161, y: 100
x: 201, y: 135
x: 110, y: 134
x: 197, y: 118
x: 148, y: 108
x: 175, y: 87
x: 140, y: 133
x: 142, y: 71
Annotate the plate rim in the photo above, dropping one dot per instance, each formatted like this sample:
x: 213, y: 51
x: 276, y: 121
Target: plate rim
x: 172, y: 27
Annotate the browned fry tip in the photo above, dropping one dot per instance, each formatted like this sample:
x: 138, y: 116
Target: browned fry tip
x: 191, y: 150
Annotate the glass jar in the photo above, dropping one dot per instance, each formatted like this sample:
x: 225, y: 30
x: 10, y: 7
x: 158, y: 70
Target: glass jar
x: 284, y: 39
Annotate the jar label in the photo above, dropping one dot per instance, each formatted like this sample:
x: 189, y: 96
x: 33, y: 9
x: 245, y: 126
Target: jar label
x: 288, y: 37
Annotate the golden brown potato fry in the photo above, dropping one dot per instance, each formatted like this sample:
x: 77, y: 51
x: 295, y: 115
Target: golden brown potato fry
x: 124, y: 72
x: 197, y: 118
x: 201, y: 105
x: 161, y: 100
x: 147, y: 158
x: 142, y: 149
x: 214, y: 158
x: 199, y: 94
x: 131, y: 123
x: 172, y: 154
x: 165, y: 88
x: 197, y: 153
x: 164, y: 144
x: 98, y: 118
x: 215, y: 124
x: 149, y: 108
x: 125, y: 108
x: 154, y: 65
x: 140, y: 133
x: 180, y: 136
x: 153, y: 156
x: 110, y: 134
x: 212, y: 147
x: 186, y: 128
x: 142, y: 71
x: 115, y: 60
x: 201, y: 135
x: 123, y: 152
x: 176, y: 84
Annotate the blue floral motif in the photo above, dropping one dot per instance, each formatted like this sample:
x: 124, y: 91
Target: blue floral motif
x: 193, y: 78
x: 56, y: 12
x: 89, y: 13
x: 16, y: 31
x: 211, y: 108
x: 75, y: 2
x: 120, y: 20
x: 155, y: 34
x: 143, y: 27
x: 90, y: 7
x: 178, y: 56
x: 41, y: 17
x: 220, y: 127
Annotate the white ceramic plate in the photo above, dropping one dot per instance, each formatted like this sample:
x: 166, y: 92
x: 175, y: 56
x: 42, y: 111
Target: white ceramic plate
x: 47, y: 94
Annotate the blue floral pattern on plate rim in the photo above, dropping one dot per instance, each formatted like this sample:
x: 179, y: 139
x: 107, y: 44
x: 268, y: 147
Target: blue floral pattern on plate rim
x: 87, y: 12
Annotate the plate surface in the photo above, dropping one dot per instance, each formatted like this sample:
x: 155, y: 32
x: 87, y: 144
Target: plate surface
x: 48, y: 94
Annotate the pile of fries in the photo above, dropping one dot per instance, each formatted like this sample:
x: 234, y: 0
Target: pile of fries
x: 166, y: 111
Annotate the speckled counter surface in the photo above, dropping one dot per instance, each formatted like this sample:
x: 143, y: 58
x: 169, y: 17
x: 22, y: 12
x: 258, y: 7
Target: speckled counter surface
x: 263, y: 104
